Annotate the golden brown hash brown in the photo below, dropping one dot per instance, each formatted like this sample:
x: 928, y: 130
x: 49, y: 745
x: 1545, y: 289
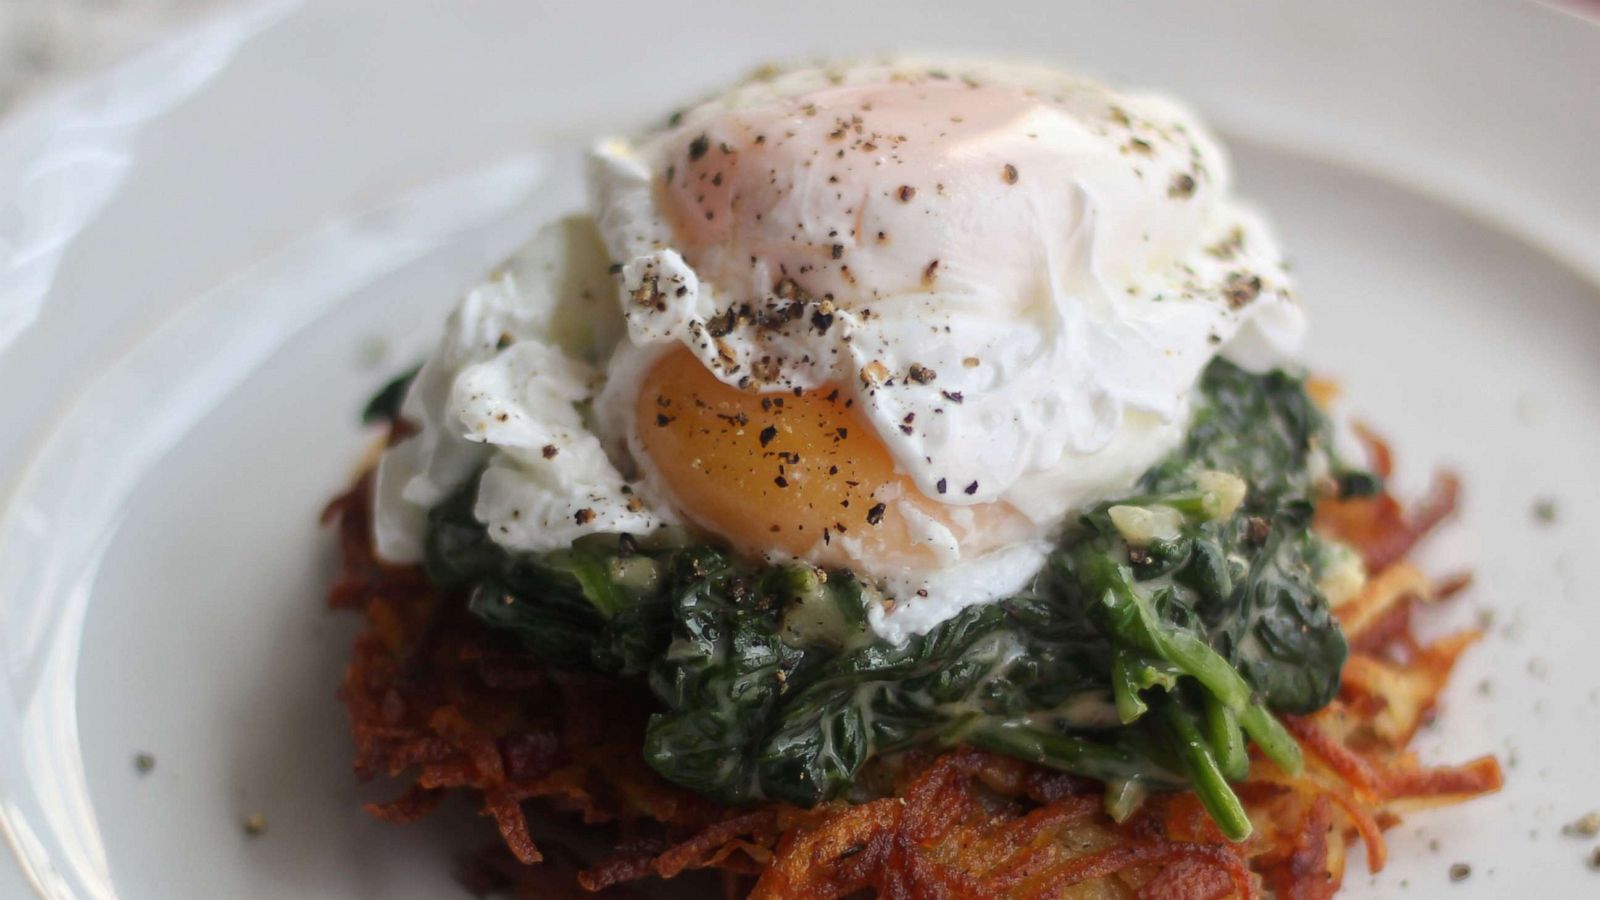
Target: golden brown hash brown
x: 449, y: 706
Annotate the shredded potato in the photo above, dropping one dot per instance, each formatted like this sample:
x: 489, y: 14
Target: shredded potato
x: 448, y: 706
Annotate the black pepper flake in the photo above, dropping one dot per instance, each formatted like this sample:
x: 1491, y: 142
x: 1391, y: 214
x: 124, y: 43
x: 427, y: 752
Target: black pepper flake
x: 921, y: 374
x: 721, y: 324
x: 648, y: 293
x: 1229, y: 246
x: 941, y: 486
x: 583, y: 516
x: 836, y: 251
x: 1009, y: 174
x: 1545, y: 510
x: 781, y: 481
x: 970, y: 489
x: 1257, y: 529
x: 768, y: 434
x: 663, y: 420
x: 255, y: 825
x: 698, y: 147
x: 1460, y: 872
x: 506, y: 339
x: 1241, y: 288
x: 929, y: 272
x: 549, y: 451
x: 875, y: 514
x: 144, y: 763
x: 1182, y: 187
x: 905, y: 193
x: 952, y: 396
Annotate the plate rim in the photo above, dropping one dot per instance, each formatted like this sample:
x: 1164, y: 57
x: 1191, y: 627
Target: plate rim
x: 1521, y: 214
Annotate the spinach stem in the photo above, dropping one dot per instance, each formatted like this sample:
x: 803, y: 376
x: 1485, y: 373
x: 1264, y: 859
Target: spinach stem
x: 1273, y: 739
x: 1226, y: 738
x: 1068, y: 753
x: 1125, y: 686
x: 1210, y: 785
x: 1194, y: 657
x: 1133, y: 621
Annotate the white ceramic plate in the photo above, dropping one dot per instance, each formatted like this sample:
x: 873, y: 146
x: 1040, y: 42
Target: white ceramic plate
x: 209, y: 257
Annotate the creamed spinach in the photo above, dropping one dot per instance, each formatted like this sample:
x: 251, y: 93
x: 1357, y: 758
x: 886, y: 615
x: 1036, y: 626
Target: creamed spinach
x: 1166, y: 630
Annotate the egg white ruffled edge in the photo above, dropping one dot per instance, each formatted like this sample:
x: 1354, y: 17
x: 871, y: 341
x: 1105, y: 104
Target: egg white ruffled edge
x: 504, y: 391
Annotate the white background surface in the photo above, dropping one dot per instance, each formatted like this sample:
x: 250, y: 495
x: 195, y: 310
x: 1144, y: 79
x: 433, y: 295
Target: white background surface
x: 211, y: 257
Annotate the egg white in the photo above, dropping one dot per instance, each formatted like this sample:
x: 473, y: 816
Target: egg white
x: 505, y: 391
x: 1078, y: 387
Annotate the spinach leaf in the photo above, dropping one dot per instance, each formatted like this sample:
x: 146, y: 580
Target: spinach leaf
x: 1166, y: 629
x: 590, y: 605
x: 1247, y: 583
x: 385, y: 404
x: 1261, y: 428
x: 718, y: 680
x: 749, y: 714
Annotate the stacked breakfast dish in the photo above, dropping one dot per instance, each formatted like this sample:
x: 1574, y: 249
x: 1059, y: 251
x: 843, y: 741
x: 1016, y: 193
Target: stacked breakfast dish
x: 898, y: 482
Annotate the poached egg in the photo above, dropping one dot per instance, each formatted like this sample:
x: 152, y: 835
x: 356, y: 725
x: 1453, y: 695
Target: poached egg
x: 902, y: 317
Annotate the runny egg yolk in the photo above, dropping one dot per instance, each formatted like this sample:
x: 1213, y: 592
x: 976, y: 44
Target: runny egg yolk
x: 801, y: 475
